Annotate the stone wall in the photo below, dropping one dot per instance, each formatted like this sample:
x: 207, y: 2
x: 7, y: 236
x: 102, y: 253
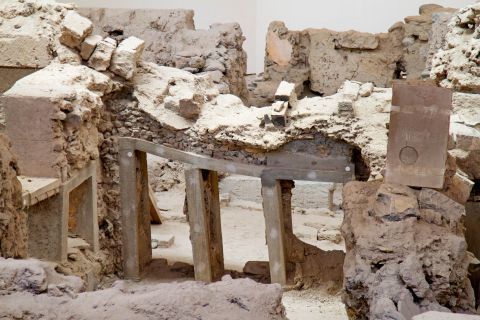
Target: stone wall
x: 406, y: 252
x: 29, y: 40
x: 172, y: 40
x: 320, y: 60
x: 13, y: 220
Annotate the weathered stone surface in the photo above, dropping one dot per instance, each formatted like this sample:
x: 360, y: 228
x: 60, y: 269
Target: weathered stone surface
x: 126, y: 56
x: 171, y: 40
x: 13, y: 220
x: 68, y: 142
x: 8, y: 77
x: 356, y: 40
x: 324, y: 59
x: 24, y: 51
x: 88, y: 46
x: 75, y: 29
x: 35, y: 277
x: 233, y: 299
x: 101, y: 58
x: 437, y: 36
x: 403, y: 245
x: 29, y: 33
x: 456, y: 66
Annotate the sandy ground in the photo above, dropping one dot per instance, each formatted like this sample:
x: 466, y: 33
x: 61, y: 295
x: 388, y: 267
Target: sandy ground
x: 243, y: 230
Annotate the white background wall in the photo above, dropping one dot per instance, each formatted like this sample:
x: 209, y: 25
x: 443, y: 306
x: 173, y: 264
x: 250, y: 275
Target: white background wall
x: 255, y: 15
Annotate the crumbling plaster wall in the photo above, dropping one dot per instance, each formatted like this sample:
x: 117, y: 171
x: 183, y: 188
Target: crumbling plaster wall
x: 320, y: 60
x: 171, y: 40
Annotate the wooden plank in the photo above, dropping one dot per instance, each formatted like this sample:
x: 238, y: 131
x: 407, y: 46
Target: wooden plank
x: 418, y: 135
x: 86, y: 211
x: 129, y: 207
x: 275, y: 229
x: 205, y: 228
x: 143, y: 210
x: 212, y: 198
x: 36, y: 189
x: 341, y: 174
x: 155, y: 216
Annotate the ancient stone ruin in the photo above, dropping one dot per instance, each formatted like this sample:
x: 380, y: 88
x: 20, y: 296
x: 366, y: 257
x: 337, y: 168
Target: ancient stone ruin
x: 145, y: 175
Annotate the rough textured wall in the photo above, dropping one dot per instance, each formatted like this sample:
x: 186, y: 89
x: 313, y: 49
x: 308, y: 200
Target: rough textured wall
x: 320, y: 60
x: 171, y: 40
x: 29, y: 33
x: 406, y: 252
x: 65, y: 102
x: 13, y: 220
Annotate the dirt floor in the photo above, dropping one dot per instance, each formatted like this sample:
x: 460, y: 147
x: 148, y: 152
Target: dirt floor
x: 243, y: 240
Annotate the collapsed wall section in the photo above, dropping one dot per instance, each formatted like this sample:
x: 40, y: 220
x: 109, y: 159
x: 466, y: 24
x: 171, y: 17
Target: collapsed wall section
x: 29, y: 37
x: 172, y: 40
x: 406, y: 252
x: 320, y: 60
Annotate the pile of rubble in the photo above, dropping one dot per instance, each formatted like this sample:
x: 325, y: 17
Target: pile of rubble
x: 406, y: 252
x: 172, y: 40
x: 30, y: 289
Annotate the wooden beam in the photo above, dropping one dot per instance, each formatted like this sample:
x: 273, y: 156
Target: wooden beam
x: 327, y: 170
x: 134, y: 204
x: 275, y: 229
x: 205, y: 224
x: 155, y: 215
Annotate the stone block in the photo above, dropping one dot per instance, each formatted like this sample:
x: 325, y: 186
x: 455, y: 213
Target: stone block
x: 345, y: 106
x: 188, y: 104
x: 75, y: 29
x: 366, y: 89
x: 286, y: 92
x: 25, y: 52
x: 126, y: 56
x: 102, y: 56
x: 278, y: 115
x: 88, y: 46
x: 459, y: 188
x: 350, y: 90
x: 32, y: 140
x: 356, y: 40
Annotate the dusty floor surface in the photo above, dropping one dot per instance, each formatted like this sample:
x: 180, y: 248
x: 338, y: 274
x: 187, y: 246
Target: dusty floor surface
x: 243, y: 239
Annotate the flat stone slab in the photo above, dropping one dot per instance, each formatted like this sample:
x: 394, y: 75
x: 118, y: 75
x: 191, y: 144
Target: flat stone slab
x: 35, y: 189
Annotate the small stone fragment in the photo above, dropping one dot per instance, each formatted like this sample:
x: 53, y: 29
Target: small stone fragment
x: 278, y: 114
x: 285, y: 91
x: 345, y: 106
x: 366, y: 90
x: 75, y: 29
x: 102, y: 56
x: 88, y: 46
x: 163, y: 241
x: 126, y: 56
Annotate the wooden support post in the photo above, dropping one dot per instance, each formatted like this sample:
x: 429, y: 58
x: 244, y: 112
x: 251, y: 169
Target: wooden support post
x: 155, y: 215
x: 205, y: 225
x: 134, y: 201
x: 275, y: 229
x: 86, y: 226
